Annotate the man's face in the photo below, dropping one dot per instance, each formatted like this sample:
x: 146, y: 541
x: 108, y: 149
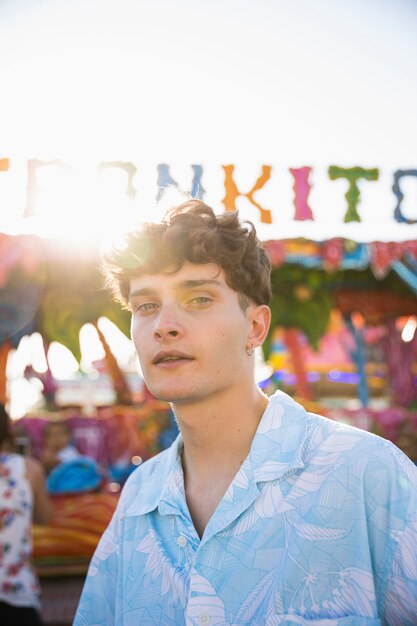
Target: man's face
x: 190, y: 333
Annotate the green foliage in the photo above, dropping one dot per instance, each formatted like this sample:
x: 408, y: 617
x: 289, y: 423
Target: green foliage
x: 73, y: 296
x: 301, y: 300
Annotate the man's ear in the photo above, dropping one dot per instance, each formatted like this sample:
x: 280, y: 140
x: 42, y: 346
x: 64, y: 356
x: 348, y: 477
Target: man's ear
x: 260, y: 320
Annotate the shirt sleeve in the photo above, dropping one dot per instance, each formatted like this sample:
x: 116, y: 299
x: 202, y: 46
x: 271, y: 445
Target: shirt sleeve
x: 399, y: 595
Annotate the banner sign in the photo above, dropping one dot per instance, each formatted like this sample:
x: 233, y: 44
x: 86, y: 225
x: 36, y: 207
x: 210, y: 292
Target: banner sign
x: 359, y: 203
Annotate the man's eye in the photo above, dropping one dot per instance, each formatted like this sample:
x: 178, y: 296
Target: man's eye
x: 201, y: 300
x: 146, y: 306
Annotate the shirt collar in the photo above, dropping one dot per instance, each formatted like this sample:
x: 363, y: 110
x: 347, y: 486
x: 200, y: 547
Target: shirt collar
x: 156, y: 478
x: 278, y: 442
x: 276, y: 450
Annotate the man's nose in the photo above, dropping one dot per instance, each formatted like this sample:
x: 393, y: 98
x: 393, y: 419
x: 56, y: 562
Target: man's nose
x: 167, y: 325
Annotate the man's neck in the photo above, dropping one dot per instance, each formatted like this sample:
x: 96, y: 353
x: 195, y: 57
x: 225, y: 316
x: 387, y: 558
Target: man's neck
x: 218, y: 434
x: 217, y: 438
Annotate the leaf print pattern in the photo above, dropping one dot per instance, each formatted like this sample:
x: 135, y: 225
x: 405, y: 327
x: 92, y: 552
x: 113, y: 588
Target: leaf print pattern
x: 305, y: 484
x: 318, y: 518
x: 354, y: 593
x: 205, y: 602
x: 272, y: 419
x: 338, y: 442
x: 158, y: 564
x: 245, y: 523
x: 106, y: 548
x: 400, y: 606
x: 241, y: 481
x: 276, y: 604
x: 312, y: 532
x: 254, y: 599
x: 271, y: 502
x: 405, y: 556
x: 297, y: 620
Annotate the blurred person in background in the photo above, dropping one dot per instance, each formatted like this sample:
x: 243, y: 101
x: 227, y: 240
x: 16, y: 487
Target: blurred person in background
x: 58, y: 447
x: 23, y: 500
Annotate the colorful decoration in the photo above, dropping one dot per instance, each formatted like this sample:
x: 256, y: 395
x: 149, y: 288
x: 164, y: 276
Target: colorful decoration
x: 49, y: 384
x: 400, y: 357
x: 408, y: 272
x: 352, y: 196
x: 121, y: 388
x: 293, y: 342
x: 382, y: 255
x: 109, y: 435
x: 332, y: 253
x: 301, y: 190
x: 341, y: 254
x: 232, y: 192
x: 67, y: 544
x: 375, y: 304
x: 358, y: 357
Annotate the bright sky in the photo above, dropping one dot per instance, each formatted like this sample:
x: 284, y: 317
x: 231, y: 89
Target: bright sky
x: 280, y: 82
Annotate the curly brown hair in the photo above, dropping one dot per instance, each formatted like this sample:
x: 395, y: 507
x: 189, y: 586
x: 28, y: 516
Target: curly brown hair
x: 192, y: 232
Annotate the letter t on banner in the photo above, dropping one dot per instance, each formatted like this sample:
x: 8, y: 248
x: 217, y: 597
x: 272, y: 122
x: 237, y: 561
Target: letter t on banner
x: 232, y: 192
x: 352, y: 174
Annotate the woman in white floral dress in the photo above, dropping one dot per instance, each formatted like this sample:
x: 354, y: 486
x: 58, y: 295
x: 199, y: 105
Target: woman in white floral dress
x: 23, y: 499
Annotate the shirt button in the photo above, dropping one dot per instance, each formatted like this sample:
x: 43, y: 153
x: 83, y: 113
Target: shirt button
x: 181, y: 541
x: 204, y: 619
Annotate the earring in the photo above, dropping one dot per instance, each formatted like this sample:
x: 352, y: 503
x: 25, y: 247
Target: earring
x: 249, y: 351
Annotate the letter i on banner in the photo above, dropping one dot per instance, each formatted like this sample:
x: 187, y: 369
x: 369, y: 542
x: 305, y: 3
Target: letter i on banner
x: 232, y: 192
x: 301, y: 192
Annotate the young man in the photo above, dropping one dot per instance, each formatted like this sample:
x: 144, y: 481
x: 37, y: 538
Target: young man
x: 259, y: 513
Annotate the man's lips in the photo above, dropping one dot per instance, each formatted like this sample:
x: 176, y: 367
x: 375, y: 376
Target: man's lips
x: 171, y: 356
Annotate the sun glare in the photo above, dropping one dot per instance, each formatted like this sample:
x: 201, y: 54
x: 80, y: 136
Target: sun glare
x: 79, y: 205
x: 61, y: 361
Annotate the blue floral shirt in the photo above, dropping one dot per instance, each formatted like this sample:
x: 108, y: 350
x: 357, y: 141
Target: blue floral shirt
x: 318, y: 528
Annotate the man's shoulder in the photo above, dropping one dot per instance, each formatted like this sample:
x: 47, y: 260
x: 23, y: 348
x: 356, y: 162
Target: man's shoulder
x: 351, y: 445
